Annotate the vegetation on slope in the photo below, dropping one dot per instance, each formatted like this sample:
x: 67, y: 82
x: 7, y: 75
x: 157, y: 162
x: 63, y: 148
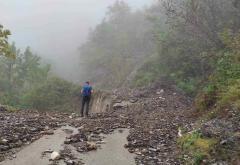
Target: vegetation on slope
x: 200, y: 53
x: 26, y: 82
x: 117, y: 46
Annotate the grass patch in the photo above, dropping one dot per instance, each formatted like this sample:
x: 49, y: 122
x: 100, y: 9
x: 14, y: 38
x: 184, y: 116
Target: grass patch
x: 231, y: 96
x: 10, y: 108
x: 197, y: 147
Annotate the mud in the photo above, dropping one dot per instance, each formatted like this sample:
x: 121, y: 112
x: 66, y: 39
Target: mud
x: 113, y: 152
x: 32, y: 154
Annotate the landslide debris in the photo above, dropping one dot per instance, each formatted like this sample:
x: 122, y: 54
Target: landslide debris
x: 153, y: 115
x: 23, y: 127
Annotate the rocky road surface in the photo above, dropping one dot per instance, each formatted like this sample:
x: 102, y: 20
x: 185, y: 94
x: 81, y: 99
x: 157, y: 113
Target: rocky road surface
x: 153, y: 115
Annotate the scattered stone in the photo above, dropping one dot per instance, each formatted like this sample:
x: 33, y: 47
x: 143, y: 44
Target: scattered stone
x: 4, y: 141
x: 160, y: 92
x: 24, y: 127
x: 68, y: 131
x: 55, y: 156
x: 80, y: 137
x: 133, y: 100
x: 179, y: 132
x: 217, y: 128
x: 48, y: 151
x: 91, y: 146
x: 2, y: 108
x: 4, y: 148
x: 223, y: 142
x: 101, y: 142
x: 70, y: 162
x: 67, y: 141
x: 153, y: 121
x: 118, y: 106
x: 48, y: 132
x: 2, y: 158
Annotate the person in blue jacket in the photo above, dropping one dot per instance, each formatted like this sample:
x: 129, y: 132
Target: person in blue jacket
x: 86, y: 97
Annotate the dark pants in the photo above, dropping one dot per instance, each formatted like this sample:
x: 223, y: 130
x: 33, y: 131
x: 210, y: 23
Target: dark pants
x: 85, y: 101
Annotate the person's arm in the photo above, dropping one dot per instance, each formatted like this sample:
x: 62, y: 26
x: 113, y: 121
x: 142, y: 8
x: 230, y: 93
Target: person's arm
x: 91, y: 90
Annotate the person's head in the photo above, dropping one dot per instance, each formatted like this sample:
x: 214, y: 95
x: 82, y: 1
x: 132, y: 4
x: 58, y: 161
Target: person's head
x: 87, y: 82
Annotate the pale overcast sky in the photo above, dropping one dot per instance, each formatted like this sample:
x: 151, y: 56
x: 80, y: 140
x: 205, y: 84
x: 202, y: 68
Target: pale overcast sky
x: 54, y: 28
x: 48, y: 24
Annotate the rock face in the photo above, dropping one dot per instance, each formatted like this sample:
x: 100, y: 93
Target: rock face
x: 101, y: 102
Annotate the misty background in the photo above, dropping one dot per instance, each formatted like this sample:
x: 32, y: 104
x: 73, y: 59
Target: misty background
x: 56, y: 29
x: 165, y: 56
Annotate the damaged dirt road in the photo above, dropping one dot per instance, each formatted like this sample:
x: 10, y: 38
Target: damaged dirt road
x: 141, y: 128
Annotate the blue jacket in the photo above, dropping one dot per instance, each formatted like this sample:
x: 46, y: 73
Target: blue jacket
x: 86, y: 90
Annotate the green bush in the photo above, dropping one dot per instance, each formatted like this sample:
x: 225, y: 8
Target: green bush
x: 143, y: 79
x: 148, y: 73
x: 231, y: 96
x: 54, y: 94
x: 196, y: 146
x: 189, y: 86
x: 206, y: 98
x: 222, y: 86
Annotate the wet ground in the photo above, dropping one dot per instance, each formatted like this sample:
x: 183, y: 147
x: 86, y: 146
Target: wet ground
x: 113, y: 152
x: 32, y: 154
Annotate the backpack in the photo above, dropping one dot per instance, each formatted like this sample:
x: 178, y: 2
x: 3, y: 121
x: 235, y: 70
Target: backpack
x: 87, y: 90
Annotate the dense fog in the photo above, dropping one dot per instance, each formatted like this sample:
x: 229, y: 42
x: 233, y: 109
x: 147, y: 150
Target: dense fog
x: 56, y: 29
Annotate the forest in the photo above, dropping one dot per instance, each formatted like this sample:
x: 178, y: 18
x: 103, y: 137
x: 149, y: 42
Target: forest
x: 27, y: 82
x: 192, y: 44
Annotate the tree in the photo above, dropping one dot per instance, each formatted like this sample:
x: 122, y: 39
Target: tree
x: 118, y: 45
x: 19, y: 74
x: 4, y: 46
x: 191, y: 45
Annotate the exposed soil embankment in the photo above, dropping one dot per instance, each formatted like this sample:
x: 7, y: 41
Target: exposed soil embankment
x: 101, y: 102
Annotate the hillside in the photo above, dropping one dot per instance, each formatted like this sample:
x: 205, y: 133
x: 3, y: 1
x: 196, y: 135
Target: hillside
x: 166, y: 78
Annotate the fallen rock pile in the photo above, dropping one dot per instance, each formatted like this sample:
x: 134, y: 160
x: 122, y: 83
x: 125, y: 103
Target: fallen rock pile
x: 24, y: 127
x: 153, y: 116
x: 153, y: 120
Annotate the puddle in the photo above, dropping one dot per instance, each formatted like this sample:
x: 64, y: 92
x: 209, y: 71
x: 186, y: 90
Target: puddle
x: 32, y: 154
x: 111, y: 153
